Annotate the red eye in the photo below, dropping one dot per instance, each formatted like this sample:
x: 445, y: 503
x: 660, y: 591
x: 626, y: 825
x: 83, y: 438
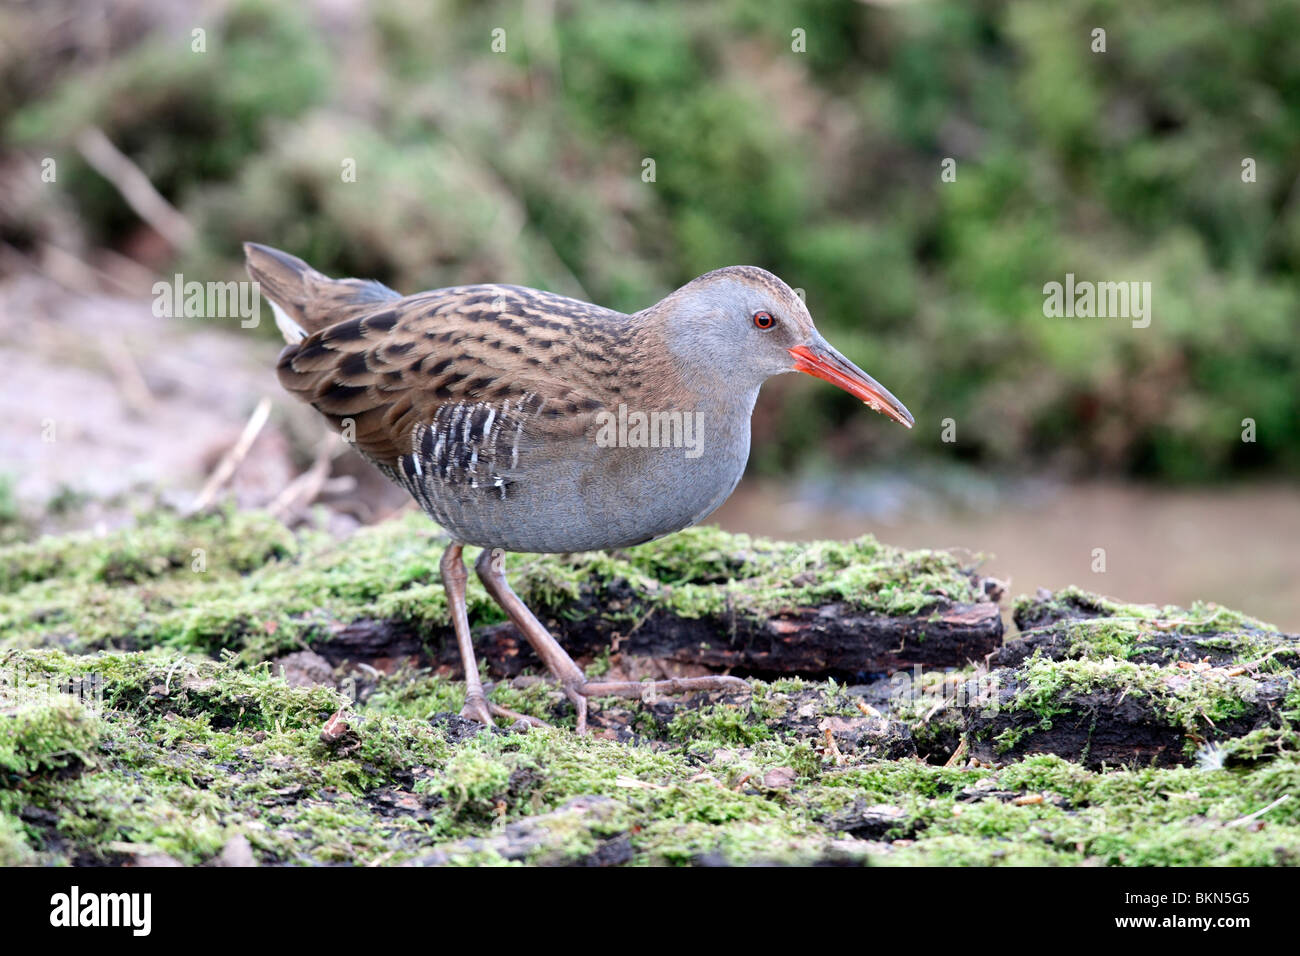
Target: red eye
x: 764, y: 320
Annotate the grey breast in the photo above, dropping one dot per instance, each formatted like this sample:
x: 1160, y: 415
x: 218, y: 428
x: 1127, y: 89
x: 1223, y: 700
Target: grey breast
x: 480, y: 471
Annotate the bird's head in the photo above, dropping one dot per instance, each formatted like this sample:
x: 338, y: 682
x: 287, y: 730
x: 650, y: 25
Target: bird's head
x: 742, y: 324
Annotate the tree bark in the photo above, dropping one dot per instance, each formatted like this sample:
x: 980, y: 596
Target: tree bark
x: 832, y: 640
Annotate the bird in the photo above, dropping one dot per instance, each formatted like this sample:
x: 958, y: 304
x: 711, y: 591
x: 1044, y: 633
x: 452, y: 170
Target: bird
x: 525, y: 421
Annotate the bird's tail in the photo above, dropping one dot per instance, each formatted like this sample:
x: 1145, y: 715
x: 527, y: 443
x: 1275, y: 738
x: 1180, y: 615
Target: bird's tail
x: 305, y: 301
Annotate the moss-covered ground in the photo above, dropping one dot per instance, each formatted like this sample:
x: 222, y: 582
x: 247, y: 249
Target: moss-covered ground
x: 140, y: 718
x: 243, y: 582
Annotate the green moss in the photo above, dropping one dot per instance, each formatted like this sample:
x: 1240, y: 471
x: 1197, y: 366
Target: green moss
x: 241, y: 581
x: 14, y: 848
x: 1201, y: 617
x: 1256, y: 746
x: 42, y: 730
x: 1106, y: 637
x: 417, y: 694
x: 721, y: 725
x: 1190, y: 700
x: 161, y: 545
x: 471, y: 783
x: 190, y: 752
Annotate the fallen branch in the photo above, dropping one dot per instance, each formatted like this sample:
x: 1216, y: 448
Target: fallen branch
x: 134, y: 185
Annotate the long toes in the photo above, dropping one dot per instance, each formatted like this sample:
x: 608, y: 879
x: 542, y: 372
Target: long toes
x: 658, y: 688
x: 728, y: 683
x: 529, y: 719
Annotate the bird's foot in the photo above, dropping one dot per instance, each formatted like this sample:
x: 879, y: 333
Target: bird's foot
x: 574, y: 690
x: 478, y: 707
x: 651, y: 690
x: 491, y: 571
x: 529, y: 719
x: 648, y: 691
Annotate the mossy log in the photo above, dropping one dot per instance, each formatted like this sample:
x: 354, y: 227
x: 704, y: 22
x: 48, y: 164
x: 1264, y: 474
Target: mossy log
x: 241, y: 582
x: 1105, y: 683
x: 830, y: 640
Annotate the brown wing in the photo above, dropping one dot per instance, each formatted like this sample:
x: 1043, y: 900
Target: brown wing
x: 455, y: 372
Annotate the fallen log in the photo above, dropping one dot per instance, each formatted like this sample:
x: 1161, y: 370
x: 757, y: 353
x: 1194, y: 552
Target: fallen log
x: 832, y: 640
x: 240, y: 583
x: 1106, y: 683
x: 1117, y: 726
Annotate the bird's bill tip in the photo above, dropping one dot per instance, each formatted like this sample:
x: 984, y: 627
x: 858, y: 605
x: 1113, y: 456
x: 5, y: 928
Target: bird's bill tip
x: 822, y: 361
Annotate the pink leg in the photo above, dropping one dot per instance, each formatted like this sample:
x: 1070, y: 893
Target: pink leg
x: 477, y: 706
x: 491, y: 570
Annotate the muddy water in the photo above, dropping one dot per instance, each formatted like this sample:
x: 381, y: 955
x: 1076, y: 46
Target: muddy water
x: 1238, y: 546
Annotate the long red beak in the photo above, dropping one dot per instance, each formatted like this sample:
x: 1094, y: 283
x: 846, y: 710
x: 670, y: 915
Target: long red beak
x: 821, y: 360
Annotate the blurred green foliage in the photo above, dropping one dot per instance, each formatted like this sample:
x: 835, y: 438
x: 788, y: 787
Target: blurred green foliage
x: 823, y: 166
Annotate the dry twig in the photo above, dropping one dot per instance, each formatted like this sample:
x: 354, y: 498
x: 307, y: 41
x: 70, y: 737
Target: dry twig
x: 231, y: 461
x: 1252, y: 817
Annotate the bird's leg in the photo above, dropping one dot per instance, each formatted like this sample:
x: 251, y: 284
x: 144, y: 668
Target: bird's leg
x: 491, y: 570
x: 477, y: 706
x: 454, y: 578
